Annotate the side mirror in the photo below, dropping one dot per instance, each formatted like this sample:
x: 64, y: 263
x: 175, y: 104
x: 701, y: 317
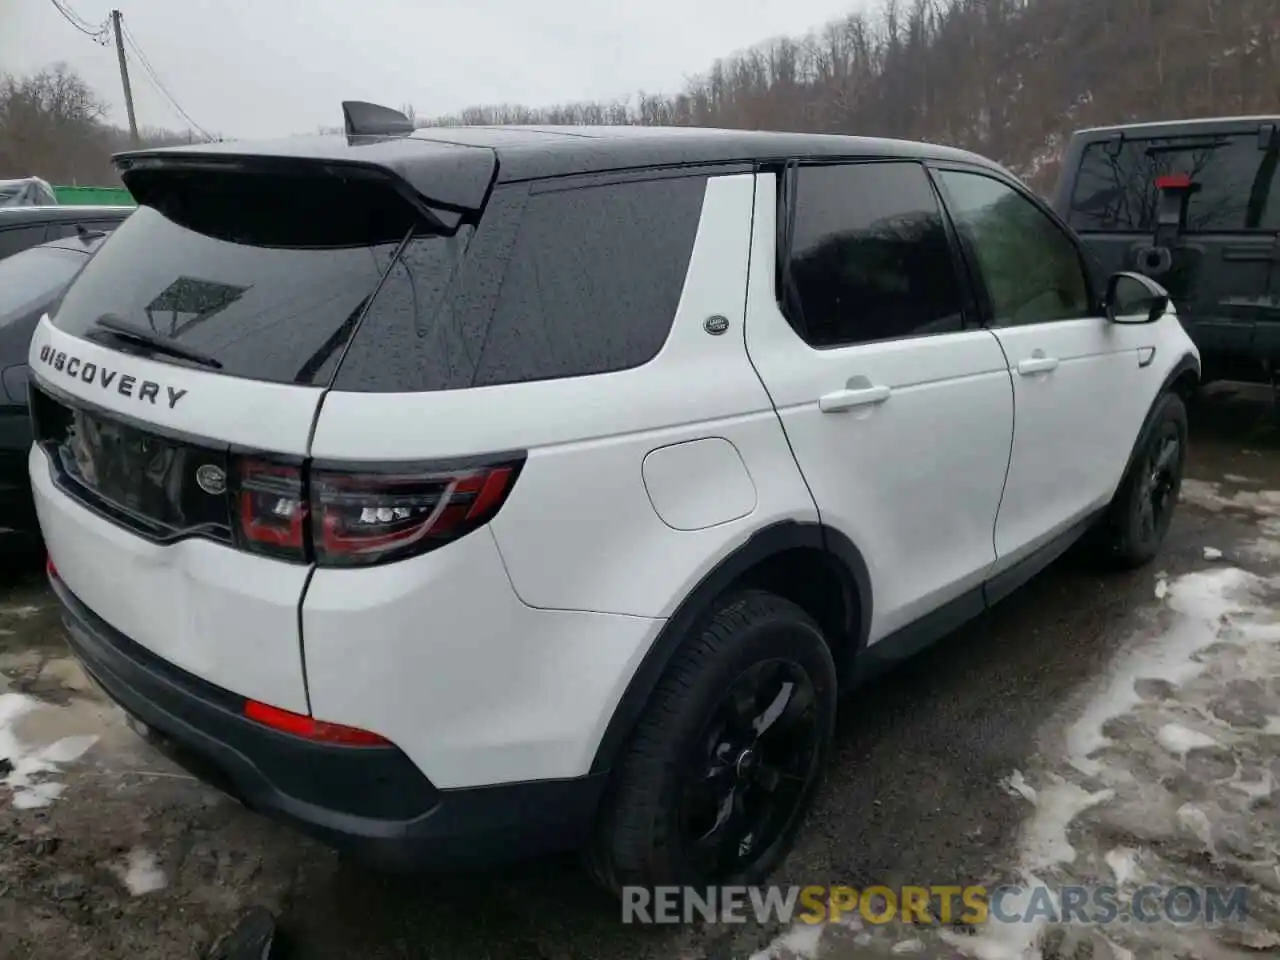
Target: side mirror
x: 1133, y: 298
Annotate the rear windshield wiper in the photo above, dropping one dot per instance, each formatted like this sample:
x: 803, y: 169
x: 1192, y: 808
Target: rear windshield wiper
x: 127, y: 331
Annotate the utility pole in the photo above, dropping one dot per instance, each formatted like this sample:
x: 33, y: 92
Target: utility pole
x: 124, y: 76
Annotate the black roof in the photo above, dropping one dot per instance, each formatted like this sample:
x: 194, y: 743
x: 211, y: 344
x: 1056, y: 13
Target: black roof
x: 464, y: 158
x: 59, y: 213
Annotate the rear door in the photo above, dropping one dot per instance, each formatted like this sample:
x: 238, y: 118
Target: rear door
x: 167, y: 468
x: 1076, y: 411
x: 899, y: 414
x: 1222, y: 269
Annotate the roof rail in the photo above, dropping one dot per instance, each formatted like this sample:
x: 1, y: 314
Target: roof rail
x: 372, y: 120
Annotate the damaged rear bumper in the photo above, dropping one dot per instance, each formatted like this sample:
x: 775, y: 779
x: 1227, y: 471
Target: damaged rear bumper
x: 371, y: 802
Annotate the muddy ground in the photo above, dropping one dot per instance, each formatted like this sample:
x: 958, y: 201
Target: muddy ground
x: 1094, y: 729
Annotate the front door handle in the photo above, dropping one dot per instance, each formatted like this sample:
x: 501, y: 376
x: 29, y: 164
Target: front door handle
x: 1037, y: 364
x: 847, y: 399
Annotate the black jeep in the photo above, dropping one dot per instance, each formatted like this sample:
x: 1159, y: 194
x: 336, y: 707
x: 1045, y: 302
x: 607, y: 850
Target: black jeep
x: 1193, y: 204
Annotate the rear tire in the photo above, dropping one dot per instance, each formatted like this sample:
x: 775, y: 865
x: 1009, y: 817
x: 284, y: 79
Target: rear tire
x: 717, y: 777
x: 1135, y: 525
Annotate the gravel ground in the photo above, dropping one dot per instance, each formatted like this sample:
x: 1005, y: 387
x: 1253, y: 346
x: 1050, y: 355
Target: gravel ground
x: 1092, y: 730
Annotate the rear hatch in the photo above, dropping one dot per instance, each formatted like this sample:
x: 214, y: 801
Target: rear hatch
x: 176, y: 386
x: 1220, y: 262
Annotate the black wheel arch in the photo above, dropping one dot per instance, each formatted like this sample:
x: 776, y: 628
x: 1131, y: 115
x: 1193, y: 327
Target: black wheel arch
x: 1184, y: 380
x: 768, y: 543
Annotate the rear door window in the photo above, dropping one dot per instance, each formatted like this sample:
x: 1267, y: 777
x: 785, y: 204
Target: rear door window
x: 870, y: 256
x: 555, y: 282
x: 1236, y: 189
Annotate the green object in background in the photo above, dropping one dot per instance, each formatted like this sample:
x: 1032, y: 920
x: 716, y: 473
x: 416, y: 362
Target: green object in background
x: 94, y: 196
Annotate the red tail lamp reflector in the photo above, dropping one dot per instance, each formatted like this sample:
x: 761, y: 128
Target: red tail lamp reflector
x: 310, y: 728
x: 1173, y: 181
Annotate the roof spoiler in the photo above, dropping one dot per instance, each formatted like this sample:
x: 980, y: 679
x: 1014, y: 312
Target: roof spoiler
x: 362, y: 119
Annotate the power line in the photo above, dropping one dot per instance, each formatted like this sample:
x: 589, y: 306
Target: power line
x: 154, y: 78
x: 97, y: 33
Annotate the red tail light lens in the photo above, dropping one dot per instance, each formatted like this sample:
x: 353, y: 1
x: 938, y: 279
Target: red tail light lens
x: 271, y: 509
x: 360, y: 518
x: 337, y: 516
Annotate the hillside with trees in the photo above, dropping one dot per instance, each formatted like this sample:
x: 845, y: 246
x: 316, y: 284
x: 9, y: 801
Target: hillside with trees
x: 1007, y: 78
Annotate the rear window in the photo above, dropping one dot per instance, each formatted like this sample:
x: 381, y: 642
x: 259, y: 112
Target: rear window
x: 1115, y: 189
x: 551, y: 283
x: 555, y: 282
x: 278, y: 314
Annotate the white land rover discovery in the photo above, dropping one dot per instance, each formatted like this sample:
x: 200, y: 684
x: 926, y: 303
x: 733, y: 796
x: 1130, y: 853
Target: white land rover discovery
x: 481, y: 492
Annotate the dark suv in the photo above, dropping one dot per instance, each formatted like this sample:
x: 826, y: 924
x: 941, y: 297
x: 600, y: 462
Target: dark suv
x: 1193, y: 205
x: 31, y: 282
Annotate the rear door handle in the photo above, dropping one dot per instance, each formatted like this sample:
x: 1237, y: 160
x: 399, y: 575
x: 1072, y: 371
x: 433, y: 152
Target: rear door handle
x: 1037, y: 365
x: 848, y: 399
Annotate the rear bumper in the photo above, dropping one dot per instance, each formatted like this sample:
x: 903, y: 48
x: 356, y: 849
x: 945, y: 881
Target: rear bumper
x: 372, y: 802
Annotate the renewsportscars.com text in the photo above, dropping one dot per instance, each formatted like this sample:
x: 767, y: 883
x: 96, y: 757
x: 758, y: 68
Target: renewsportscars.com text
x: 935, y: 904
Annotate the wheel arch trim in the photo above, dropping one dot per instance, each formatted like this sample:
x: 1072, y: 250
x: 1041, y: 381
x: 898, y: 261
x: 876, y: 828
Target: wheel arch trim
x: 765, y: 543
x: 1188, y: 363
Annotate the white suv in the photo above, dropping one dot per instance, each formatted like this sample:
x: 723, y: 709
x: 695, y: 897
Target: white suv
x: 493, y: 491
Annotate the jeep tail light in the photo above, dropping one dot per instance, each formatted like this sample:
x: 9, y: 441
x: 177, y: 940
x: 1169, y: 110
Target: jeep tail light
x: 270, y: 507
x: 365, y: 517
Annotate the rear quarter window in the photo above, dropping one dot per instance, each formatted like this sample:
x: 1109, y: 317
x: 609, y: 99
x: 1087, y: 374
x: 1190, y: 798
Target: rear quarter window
x: 1115, y: 187
x: 555, y: 282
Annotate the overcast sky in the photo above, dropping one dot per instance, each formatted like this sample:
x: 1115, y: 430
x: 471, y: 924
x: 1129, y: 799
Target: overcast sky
x: 247, y: 68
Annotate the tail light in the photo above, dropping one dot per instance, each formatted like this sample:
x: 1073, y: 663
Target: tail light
x: 271, y: 509
x: 359, y: 516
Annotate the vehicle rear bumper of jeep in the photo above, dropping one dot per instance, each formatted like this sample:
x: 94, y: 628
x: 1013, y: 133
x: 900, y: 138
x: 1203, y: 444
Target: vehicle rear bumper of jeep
x: 371, y: 802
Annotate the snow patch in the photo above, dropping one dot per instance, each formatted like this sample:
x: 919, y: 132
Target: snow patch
x: 1181, y: 740
x: 140, y: 873
x: 1205, y: 607
x: 1044, y: 838
x: 1016, y: 786
x: 30, y: 763
x: 1202, y: 599
x: 1212, y: 553
x: 1197, y: 821
x: 1124, y: 864
x: 802, y: 941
